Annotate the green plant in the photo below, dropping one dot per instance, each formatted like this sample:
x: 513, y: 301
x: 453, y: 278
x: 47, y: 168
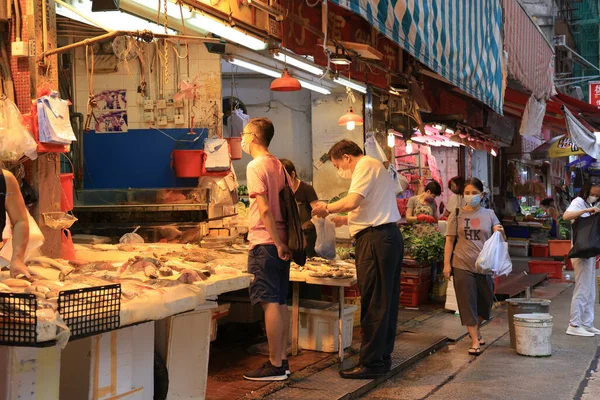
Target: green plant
x: 428, y: 249
x: 564, y: 229
x: 407, y: 235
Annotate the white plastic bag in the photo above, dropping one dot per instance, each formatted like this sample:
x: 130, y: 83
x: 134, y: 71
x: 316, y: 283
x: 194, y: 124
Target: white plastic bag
x: 36, y: 239
x: 217, y: 155
x: 131, y: 238
x: 325, y: 244
x: 54, y: 120
x: 15, y: 139
x: 237, y: 122
x: 401, y: 183
x: 373, y: 149
x: 494, y: 258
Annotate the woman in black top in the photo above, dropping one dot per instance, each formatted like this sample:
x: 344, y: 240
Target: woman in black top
x: 11, y: 202
x: 306, y: 197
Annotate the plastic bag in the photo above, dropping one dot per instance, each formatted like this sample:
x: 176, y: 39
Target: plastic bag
x: 325, y: 244
x: 54, y: 120
x: 494, y: 258
x: 36, y: 239
x: 401, y: 183
x: 15, y: 139
x: 237, y: 122
x: 217, y: 155
x: 131, y: 238
x: 373, y: 149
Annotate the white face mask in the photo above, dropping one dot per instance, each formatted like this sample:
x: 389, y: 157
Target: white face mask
x: 592, y: 199
x: 473, y: 200
x: 344, y: 173
x: 246, y: 143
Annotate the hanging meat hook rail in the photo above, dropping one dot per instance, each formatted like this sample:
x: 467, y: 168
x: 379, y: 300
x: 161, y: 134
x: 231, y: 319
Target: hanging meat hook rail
x: 146, y: 36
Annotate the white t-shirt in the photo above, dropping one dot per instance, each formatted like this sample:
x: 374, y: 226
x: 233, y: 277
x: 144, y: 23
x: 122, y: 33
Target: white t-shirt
x: 371, y: 180
x: 579, y: 204
x: 455, y: 201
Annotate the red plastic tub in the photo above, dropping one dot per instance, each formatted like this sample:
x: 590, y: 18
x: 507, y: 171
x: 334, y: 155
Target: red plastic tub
x: 551, y: 268
x: 66, y: 196
x: 539, y: 250
x: 235, y: 148
x: 414, y: 295
x: 559, y: 248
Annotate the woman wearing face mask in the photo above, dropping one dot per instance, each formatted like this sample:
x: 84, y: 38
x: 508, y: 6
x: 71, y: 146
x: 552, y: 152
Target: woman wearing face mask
x: 584, y: 295
x: 456, y: 200
x: 465, y: 235
x: 422, y: 208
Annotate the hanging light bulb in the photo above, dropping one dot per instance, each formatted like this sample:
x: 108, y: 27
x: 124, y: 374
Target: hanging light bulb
x: 409, y: 147
x: 391, y: 140
x: 350, y: 119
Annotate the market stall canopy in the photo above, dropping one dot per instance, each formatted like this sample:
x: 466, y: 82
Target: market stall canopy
x: 557, y: 147
x: 582, y: 162
x: 530, y: 55
x: 474, y: 33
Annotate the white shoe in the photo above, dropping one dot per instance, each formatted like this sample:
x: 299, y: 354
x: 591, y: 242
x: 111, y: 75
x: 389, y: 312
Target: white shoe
x: 591, y: 329
x: 578, y: 331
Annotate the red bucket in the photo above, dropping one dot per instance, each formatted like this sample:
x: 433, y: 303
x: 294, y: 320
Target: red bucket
x: 188, y: 163
x: 235, y: 148
x: 66, y: 196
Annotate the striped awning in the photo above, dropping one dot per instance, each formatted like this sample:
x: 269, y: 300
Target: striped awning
x: 530, y: 56
x: 459, y: 39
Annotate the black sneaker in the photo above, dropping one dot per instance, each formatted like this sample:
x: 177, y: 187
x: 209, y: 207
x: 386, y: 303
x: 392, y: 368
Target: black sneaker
x: 267, y: 372
x: 286, y: 364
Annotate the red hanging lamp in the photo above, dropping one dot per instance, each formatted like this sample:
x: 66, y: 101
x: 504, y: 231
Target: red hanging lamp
x: 286, y: 83
x: 350, y: 119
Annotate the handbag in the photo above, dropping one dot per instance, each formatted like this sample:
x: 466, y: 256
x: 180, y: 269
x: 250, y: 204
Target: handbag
x: 586, y: 237
x: 289, y: 211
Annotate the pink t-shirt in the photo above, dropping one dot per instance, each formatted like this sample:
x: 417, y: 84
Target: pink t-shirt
x: 265, y: 175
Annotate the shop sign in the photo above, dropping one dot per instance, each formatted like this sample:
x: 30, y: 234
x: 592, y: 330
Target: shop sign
x: 594, y: 93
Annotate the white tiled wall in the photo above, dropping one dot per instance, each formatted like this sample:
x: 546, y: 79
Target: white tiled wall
x: 201, y: 63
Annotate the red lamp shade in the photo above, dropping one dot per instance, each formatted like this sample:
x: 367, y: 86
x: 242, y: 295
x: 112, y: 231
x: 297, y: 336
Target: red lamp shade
x: 350, y: 119
x: 286, y: 83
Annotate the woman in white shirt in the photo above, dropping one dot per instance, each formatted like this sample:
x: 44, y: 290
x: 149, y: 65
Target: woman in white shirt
x: 584, y: 295
x: 456, y: 200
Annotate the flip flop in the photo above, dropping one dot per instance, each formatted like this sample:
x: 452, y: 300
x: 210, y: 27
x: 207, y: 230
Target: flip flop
x: 481, y: 341
x: 474, y: 351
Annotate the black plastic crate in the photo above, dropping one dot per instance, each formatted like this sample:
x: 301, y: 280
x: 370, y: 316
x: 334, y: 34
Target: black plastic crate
x: 18, y: 321
x: 91, y: 311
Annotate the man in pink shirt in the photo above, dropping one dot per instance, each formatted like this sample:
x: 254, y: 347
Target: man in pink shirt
x: 269, y: 257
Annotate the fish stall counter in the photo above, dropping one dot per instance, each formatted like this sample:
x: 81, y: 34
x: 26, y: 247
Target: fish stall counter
x: 166, y: 283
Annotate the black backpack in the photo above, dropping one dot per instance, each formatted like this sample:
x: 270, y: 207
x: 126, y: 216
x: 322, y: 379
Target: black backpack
x: 289, y: 211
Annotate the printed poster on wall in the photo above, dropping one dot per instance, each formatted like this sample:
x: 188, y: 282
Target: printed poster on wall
x: 111, y: 113
x: 594, y: 91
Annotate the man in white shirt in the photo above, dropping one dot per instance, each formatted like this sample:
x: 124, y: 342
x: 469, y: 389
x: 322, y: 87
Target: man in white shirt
x: 372, y: 218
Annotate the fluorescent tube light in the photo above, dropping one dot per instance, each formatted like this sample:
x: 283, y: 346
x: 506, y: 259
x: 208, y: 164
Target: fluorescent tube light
x: 172, y: 8
x: 284, y: 58
x: 220, y: 28
x: 352, y: 85
x: 254, y: 67
x: 314, y: 88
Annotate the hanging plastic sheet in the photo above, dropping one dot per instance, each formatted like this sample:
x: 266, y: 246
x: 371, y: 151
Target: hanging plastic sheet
x: 586, y: 140
x: 533, y: 117
x: 15, y: 139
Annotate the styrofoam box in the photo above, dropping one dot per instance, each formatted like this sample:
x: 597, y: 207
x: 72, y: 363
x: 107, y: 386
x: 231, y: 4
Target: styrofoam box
x: 518, y: 248
x: 318, y: 326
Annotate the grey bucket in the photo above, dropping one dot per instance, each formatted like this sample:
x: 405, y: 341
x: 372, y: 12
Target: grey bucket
x: 524, y: 306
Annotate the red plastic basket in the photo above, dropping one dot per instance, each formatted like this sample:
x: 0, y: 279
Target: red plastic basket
x: 559, y: 248
x: 540, y: 250
x: 414, y: 295
x: 551, y: 268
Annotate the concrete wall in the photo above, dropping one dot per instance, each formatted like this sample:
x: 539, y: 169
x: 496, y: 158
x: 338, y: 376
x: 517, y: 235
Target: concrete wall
x: 291, y: 116
x: 543, y: 12
x: 326, y: 110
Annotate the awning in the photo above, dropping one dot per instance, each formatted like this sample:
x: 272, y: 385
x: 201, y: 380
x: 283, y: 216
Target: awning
x: 530, y: 56
x: 557, y: 147
x: 459, y: 40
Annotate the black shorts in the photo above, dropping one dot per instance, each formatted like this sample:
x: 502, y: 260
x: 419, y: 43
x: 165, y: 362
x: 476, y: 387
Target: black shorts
x: 271, y: 275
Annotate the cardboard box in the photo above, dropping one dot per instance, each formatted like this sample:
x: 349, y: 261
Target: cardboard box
x: 223, y: 232
x: 215, y: 224
x: 213, y: 232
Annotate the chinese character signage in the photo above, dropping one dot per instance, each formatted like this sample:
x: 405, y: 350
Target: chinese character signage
x: 595, y: 93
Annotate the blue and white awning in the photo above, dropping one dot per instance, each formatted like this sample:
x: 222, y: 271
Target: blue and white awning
x: 458, y: 39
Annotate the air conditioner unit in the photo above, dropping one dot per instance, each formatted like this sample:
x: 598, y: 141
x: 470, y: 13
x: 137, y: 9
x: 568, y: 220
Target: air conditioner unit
x: 560, y: 41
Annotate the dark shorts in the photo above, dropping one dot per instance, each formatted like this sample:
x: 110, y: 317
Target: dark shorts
x: 474, y: 295
x: 271, y: 275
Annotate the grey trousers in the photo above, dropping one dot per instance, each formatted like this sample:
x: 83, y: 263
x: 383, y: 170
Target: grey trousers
x: 474, y: 295
x: 584, y: 295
